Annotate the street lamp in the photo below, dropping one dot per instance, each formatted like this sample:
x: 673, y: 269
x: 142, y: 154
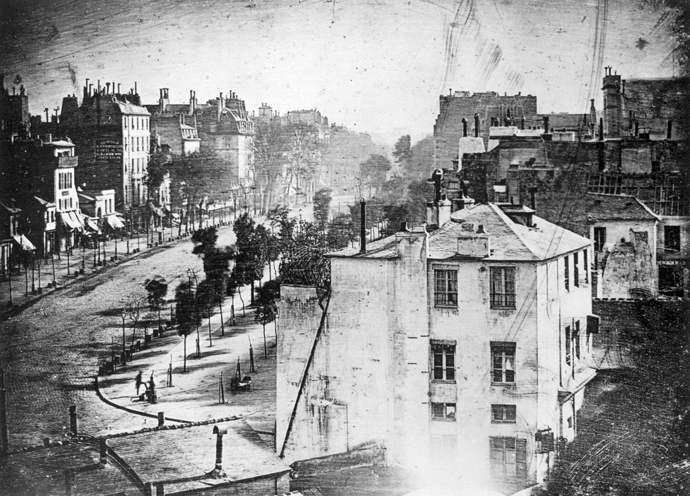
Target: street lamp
x: 124, y: 353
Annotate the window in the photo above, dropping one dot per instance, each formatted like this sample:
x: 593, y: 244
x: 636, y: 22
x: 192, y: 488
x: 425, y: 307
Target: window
x: 502, y: 287
x: 446, y: 288
x: 672, y: 238
x: 508, y: 457
x: 503, y: 362
x: 568, y: 346
x: 576, y: 339
x: 566, y: 272
x: 576, y: 270
x: 503, y: 414
x: 599, y: 238
x: 443, y: 361
x: 443, y: 411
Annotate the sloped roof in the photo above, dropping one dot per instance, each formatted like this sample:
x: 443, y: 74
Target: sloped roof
x: 131, y: 109
x: 509, y: 240
x: 614, y: 207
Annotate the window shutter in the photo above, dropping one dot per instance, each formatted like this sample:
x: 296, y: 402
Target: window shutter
x: 521, y: 458
x: 593, y: 324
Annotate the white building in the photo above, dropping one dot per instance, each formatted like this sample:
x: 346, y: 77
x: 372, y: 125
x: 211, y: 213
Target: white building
x: 462, y: 350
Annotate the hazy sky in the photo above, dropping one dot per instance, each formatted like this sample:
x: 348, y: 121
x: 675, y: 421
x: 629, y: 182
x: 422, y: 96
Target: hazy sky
x: 373, y: 65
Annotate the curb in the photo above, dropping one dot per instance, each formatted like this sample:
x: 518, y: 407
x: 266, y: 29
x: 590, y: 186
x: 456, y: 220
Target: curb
x: 110, y: 402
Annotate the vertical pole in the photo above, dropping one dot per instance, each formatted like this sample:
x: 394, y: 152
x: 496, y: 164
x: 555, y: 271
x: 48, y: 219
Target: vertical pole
x: 4, y: 434
x: 265, y: 346
x: 68, y: 250
x: 73, y: 428
x: 222, y: 324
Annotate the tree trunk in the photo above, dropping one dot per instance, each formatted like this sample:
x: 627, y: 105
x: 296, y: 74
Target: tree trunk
x: 184, y: 367
x: 239, y: 292
x: 251, y: 296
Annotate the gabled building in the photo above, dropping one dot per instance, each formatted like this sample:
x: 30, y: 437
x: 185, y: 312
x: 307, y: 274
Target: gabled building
x: 461, y: 347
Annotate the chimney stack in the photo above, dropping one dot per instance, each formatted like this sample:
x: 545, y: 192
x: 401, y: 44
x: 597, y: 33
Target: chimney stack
x: 546, y: 124
x: 464, y: 127
x: 533, y: 197
x: 363, y: 226
x: 218, y: 470
x: 476, y: 125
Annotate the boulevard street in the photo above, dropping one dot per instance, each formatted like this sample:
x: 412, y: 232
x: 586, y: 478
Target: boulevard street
x: 51, y: 350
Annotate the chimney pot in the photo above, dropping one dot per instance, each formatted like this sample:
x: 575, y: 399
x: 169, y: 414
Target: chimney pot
x: 480, y: 229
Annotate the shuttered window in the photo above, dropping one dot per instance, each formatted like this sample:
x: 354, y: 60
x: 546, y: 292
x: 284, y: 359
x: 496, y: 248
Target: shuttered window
x: 508, y: 458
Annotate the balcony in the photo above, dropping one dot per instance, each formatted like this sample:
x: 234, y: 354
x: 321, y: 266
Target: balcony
x: 65, y: 162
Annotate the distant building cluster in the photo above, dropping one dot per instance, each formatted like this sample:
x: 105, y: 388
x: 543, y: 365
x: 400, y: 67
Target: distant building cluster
x: 616, y: 175
x: 81, y: 170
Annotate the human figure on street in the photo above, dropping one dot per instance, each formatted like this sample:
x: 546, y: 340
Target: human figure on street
x: 139, y: 382
x: 152, y: 390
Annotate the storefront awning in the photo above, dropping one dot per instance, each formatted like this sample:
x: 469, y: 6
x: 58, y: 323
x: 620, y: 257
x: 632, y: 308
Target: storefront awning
x: 91, y: 225
x: 114, y: 222
x: 23, y: 242
x: 69, y: 222
x: 157, y: 210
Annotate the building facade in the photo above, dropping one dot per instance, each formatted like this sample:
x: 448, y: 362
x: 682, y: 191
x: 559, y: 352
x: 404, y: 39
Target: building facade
x: 112, y: 130
x: 463, y: 349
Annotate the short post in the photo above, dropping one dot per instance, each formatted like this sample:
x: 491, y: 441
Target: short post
x: 161, y: 419
x: 103, y: 445
x: 68, y: 482
x: 73, y: 420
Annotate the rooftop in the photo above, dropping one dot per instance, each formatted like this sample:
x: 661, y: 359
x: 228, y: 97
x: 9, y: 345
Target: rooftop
x: 598, y: 207
x: 174, y: 455
x: 510, y: 241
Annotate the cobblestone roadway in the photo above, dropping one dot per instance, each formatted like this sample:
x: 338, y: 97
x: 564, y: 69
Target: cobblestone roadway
x: 51, y: 350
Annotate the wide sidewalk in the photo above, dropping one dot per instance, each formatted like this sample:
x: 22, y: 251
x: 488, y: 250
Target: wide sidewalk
x: 60, y: 270
x: 204, y: 392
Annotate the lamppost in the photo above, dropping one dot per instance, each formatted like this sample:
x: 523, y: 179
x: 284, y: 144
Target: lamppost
x: 124, y: 352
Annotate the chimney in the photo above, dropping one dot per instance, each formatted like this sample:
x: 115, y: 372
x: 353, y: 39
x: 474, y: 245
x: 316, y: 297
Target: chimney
x: 533, y: 197
x: 107, y: 88
x: 412, y: 245
x: 118, y: 88
x: 220, y: 106
x: 546, y: 124
x: 476, y: 125
x: 135, y: 88
x: 218, y: 470
x: 601, y: 129
x: 473, y: 244
x: 363, y: 226
x: 464, y: 127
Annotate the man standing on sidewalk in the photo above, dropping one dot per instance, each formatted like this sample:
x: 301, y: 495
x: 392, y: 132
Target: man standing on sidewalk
x: 138, y: 382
